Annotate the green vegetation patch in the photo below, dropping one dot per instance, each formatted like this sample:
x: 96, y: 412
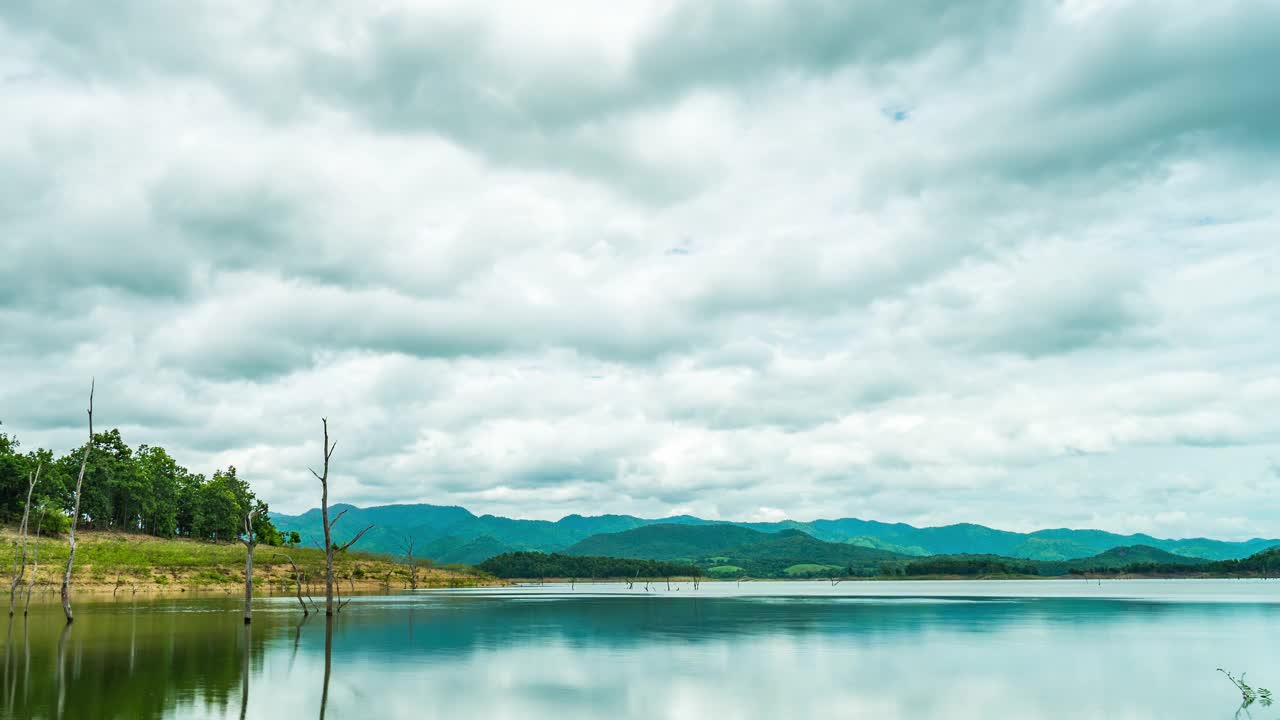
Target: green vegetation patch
x: 812, y: 570
x: 543, y: 565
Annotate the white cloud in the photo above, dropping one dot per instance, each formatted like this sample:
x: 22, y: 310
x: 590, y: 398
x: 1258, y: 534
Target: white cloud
x: 676, y: 258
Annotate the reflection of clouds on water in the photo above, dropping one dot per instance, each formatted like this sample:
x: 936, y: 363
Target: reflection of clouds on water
x: 590, y: 656
x: 776, y: 676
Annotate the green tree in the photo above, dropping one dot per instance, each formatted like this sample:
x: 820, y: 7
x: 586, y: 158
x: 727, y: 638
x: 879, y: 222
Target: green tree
x: 112, y: 496
x: 161, y: 476
x: 264, y: 530
x: 188, y: 505
x: 133, y: 491
x: 13, y: 477
x: 219, y: 509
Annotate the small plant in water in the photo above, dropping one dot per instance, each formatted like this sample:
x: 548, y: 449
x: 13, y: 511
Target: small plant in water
x: 1248, y: 694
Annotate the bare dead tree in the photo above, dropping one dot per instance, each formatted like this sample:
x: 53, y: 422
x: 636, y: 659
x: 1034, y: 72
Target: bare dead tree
x: 75, y: 516
x: 342, y: 603
x: 324, y: 519
x: 330, y: 548
x: 406, y: 544
x: 250, y: 542
x: 35, y: 559
x: 20, y: 559
x: 297, y: 579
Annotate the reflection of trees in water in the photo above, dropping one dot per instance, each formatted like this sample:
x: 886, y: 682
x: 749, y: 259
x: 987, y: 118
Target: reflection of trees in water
x: 143, y: 666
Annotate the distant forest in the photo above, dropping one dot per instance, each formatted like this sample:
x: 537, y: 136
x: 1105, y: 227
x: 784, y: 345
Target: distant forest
x: 1136, y: 560
x: 141, y: 490
x: 541, y: 565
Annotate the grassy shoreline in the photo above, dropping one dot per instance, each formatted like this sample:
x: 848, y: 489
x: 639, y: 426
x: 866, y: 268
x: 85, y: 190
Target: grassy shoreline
x: 115, y: 562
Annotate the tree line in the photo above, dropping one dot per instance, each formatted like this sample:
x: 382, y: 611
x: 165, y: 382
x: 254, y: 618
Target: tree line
x: 542, y: 565
x: 970, y: 565
x: 1265, y: 563
x: 127, y: 489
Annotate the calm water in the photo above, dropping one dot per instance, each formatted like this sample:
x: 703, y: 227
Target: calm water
x: 1059, y: 649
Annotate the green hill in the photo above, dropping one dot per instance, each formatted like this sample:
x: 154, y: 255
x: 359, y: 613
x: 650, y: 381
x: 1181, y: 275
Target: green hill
x: 755, y: 553
x: 685, y: 543
x: 451, y: 550
x: 772, y: 553
x: 1134, y: 555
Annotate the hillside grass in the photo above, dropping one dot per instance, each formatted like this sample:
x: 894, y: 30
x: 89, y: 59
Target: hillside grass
x: 809, y: 570
x: 119, y: 561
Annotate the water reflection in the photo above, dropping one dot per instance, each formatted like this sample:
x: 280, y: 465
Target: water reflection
x: 582, y: 656
x: 328, y: 662
x: 246, y: 641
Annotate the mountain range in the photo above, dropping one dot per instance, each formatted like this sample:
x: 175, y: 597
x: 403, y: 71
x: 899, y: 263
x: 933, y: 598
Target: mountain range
x: 451, y: 534
x: 727, y: 551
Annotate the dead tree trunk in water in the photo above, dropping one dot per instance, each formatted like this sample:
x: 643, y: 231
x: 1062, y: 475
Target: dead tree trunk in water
x: 249, y: 544
x: 75, y: 516
x: 297, y: 579
x: 329, y: 547
x: 20, y: 559
x: 324, y: 519
x: 35, y: 560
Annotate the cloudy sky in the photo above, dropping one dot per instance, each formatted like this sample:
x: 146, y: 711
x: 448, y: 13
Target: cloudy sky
x: 1007, y: 262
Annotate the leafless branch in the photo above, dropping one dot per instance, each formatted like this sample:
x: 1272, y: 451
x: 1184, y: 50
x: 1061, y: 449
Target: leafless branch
x: 406, y: 544
x: 20, y: 559
x: 75, y: 515
x: 337, y: 517
x: 297, y: 579
x: 35, y: 559
x: 355, y: 539
x: 249, y: 544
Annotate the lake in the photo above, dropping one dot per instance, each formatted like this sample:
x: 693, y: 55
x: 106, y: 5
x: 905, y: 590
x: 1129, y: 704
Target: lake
x: 988, y: 649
